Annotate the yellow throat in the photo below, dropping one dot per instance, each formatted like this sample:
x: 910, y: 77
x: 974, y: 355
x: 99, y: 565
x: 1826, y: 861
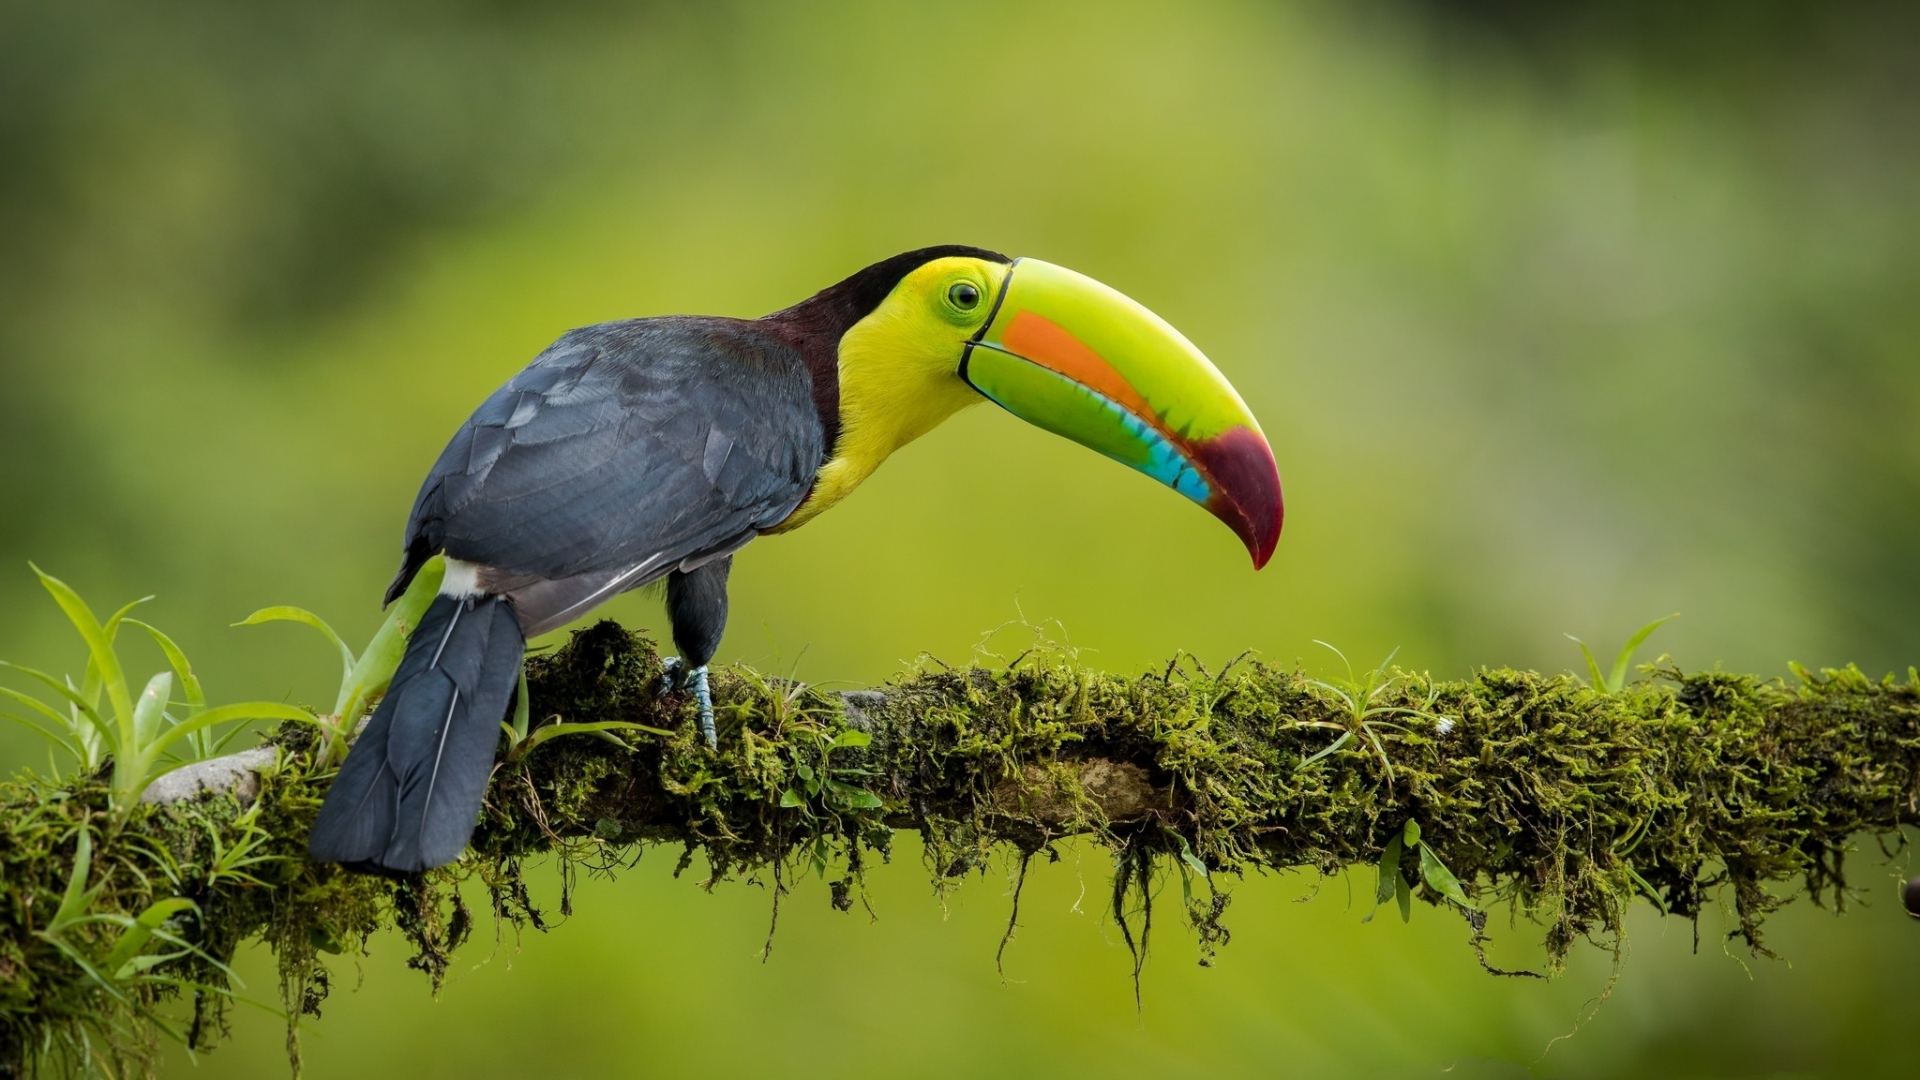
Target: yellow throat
x: 898, y: 378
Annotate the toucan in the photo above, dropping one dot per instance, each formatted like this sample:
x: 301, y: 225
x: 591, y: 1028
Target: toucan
x: 655, y: 448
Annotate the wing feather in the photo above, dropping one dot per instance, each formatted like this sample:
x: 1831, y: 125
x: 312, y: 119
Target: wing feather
x: 623, y: 450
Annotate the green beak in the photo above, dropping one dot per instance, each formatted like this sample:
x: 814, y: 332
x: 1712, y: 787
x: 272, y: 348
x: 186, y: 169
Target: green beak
x: 1068, y: 354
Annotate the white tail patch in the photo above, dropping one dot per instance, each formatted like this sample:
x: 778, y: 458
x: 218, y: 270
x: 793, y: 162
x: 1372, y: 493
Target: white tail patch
x: 462, y: 580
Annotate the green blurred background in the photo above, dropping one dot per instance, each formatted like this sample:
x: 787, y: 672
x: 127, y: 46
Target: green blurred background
x: 1560, y: 317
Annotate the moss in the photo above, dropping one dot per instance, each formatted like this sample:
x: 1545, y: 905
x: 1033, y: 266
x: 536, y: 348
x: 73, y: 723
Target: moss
x: 1541, y: 793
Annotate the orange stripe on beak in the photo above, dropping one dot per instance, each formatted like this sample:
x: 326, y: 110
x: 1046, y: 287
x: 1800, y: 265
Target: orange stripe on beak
x: 1042, y: 341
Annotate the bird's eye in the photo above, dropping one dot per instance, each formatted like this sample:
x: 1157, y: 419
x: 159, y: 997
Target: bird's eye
x: 964, y: 295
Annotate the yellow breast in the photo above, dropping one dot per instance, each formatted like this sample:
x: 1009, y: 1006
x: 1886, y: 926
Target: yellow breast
x: 897, y: 382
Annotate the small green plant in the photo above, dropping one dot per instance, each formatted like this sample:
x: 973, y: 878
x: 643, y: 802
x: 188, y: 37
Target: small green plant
x: 365, y: 677
x: 1360, y: 697
x: 119, y: 964
x: 818, y: 786
x: 1393, y: 884
x: 523, y: 738
x: 822, y: 780
x: 138, y: 736
x: 1616, y: 681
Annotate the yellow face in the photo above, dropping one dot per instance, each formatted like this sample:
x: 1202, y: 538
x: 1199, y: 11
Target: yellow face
x: 933, y: 312
x: 899, y: 371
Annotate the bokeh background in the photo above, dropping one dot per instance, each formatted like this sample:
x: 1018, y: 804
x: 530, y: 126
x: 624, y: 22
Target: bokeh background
x: 1560, y: 317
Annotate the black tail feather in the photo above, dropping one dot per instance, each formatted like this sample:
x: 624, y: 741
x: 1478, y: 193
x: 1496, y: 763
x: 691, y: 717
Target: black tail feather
x: 409, y: 793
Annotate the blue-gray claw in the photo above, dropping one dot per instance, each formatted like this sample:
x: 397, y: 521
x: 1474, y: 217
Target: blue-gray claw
x: 670, y: 673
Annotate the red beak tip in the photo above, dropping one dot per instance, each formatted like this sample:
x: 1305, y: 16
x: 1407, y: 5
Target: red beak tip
x: 1262, y: 547
x: 1248, y: 495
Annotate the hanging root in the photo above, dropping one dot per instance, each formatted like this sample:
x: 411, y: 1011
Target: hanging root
x: 1133, y: 876
x: 1013, y: 916
x: 1561, y: 801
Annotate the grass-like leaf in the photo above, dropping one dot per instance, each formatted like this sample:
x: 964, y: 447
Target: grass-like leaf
x: 99, y: 647
x: 203, y: 745
x: 72, y: 696
x: 1359, y: 696
x: 227, y: 714
x: 151, y: 707
x: 140, y: 931
x: 372, y: 673
x: 289, y: 613
x: 1615, y: 681
x: 1389, y: 870
x: 604, y: 728
x: 1441, y: 880
x: 76, y: 898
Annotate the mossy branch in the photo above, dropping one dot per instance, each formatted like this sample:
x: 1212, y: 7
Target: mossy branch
x: 1539, y: 791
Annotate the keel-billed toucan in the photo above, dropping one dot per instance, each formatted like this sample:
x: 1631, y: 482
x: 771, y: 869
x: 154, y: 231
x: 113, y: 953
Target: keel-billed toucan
x: 656, y: 448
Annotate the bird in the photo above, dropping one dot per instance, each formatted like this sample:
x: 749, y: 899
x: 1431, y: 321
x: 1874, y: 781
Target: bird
x: 645, y: 449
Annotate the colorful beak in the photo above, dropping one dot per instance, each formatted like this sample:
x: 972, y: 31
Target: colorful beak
x: 1068, y: 354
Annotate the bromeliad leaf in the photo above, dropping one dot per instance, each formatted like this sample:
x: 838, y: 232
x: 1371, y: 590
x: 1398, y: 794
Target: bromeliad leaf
x: 227, y: 714
x: 522, y: 709
x: 374, y: 671
x: 72, y: 696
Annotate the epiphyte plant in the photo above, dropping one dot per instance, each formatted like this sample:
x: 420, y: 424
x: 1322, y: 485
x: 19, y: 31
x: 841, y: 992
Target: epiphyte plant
x: 1615, y: 681
x: 141, y: 737
x: 365, y: 677
x: 1359, y: 697
x: 1393, y: 884
x: 121, y: 964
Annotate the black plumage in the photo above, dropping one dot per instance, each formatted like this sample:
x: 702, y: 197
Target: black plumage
x: 408, y: 794
x: 697, y: 609
x: 621, y: 452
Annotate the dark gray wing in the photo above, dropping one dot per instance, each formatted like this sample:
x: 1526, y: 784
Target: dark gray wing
x: 623, y: 451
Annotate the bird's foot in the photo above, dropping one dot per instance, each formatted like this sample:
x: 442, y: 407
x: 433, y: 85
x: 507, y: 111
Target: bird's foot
x: 703, y: 694
x: 678, y: 676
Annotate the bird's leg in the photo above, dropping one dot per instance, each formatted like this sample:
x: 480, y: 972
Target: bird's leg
x: 697, y: 608
x: 703, y: 694
x: 678, y: 676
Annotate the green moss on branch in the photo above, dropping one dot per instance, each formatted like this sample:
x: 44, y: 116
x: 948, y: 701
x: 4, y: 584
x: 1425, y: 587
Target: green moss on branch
x: 1533, y: 790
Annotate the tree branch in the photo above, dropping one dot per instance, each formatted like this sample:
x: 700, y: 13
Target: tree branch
x: 1507, y: 787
